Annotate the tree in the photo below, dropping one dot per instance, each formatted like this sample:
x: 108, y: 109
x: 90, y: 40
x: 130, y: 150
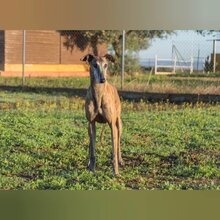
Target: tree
x: 208, y: 32
x: 208, y: 66
x: 135, y: 40
x: 209, y: 62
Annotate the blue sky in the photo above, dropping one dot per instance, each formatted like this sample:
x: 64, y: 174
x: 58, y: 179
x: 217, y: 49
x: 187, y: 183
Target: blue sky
x: 188, y: 43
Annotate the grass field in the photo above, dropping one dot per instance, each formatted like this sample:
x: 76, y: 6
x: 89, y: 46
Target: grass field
x: 44, y: 141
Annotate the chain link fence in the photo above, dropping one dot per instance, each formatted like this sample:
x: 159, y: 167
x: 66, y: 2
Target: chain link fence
x: 55, y: 53
x: 185, y: 48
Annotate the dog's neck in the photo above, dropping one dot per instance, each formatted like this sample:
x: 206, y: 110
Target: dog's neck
x: 98, y: 88
x: 98, y: 91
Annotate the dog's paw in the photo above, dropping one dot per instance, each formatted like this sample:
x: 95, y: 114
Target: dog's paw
x: 121, y: 163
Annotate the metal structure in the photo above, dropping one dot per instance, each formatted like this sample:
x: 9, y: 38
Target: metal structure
x: 23, y: 56
x: 54, y: 53
x: 123, y: 59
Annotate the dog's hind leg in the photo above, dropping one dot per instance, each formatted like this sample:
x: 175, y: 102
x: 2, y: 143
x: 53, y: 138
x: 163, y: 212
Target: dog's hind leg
x: 102, y: 134
x: 114, y: 135
x: 119, y: 127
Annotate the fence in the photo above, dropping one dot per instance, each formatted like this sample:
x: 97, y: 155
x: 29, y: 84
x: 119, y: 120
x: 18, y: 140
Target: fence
x: 185, y: 45
x: 57, y: 53
x: 172, y: 65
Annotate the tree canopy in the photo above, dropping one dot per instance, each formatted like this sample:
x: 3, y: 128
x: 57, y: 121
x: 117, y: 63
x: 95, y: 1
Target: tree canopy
x: 135, y: 40
x: 208, y: 32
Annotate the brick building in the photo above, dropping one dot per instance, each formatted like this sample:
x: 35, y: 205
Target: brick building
x: 47, y: 54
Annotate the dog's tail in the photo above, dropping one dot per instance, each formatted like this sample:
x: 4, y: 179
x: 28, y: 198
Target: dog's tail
x: 102, y: 134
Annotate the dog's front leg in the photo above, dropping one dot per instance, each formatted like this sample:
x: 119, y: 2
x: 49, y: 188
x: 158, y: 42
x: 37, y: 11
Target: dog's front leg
x: 92, y: 135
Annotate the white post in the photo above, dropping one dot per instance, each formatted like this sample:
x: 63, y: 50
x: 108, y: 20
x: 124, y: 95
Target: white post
x: 123, y: 59
x: 191, y: 67
x: 174, y: 65
x: 155, y: 65
x: 23, y: 56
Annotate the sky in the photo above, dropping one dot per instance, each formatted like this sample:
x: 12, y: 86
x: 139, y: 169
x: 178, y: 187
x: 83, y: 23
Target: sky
x: 188, y: 43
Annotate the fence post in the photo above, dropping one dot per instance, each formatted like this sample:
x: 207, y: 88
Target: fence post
x: 123, y: 59
x: 198, y: 57
x: 23, y: 56
x: 174, y: 65
x: 155, y: 68
x: 191, y: 67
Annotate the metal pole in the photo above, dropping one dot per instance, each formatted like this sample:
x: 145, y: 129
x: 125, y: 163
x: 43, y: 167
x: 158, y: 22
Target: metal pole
x: 198, y: 57
x: 214, y: 55
x: 123, y: 59
x: 155, y: 65
x: 174, y: 65
x: 23, y: 56
x: 60, y: 49
x: 172, y: 50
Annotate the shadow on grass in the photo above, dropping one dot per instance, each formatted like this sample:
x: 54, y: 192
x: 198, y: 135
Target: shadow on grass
x: 177, y: 98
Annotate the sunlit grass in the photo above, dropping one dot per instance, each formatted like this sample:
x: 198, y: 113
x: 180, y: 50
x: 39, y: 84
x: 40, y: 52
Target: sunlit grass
x: 44, y: 141
x: 44, y: 145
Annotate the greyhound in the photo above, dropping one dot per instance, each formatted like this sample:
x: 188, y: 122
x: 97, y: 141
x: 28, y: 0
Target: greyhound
x: 103, y: 105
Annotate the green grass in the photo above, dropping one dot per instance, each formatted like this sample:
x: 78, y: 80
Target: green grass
x: 44, y: 145
x: 47, y: 82
x: 44, y: 140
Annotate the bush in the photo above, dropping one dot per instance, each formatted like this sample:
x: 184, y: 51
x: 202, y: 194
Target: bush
x: 132, y: 65
x: 208, y: 65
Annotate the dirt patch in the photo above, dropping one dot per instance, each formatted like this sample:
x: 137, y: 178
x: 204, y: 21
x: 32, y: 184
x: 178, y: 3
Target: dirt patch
x: 172, y: 97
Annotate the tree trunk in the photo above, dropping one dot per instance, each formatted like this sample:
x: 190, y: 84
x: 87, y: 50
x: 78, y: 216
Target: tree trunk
x: 118, y: 55
x: 94, y: 42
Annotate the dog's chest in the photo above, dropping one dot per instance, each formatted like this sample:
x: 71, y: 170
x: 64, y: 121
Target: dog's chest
x: 106, y: 109
x: 103, y: 104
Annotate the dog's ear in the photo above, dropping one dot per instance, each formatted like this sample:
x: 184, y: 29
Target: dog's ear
x: 109, y: 58
x: 87, y: 58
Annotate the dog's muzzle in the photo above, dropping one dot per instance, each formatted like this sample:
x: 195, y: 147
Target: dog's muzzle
x: 102, y: 80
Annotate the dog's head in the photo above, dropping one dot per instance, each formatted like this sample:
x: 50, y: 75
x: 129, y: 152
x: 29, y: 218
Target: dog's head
x: 98, y: 66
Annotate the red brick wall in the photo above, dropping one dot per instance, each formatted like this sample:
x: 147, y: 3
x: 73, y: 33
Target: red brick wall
x: 42, y: 47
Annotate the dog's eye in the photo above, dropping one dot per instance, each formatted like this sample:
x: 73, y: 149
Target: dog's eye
x: 95, y: 65
x: 106, y: 65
